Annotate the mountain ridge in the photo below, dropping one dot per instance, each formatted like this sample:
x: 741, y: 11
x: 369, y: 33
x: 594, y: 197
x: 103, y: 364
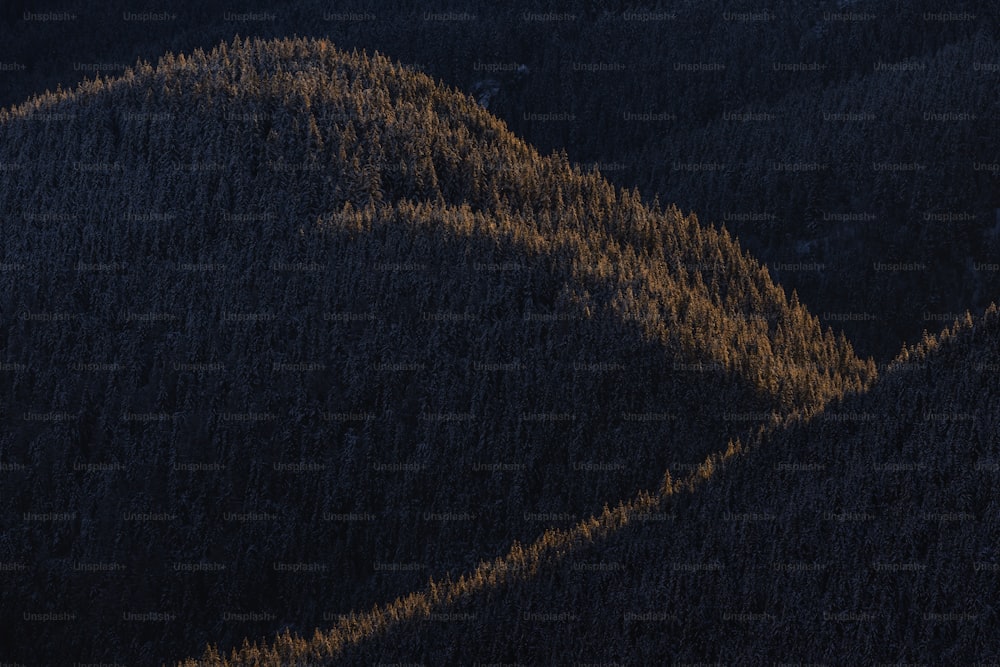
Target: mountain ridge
x: 854, y: 581
x: 270, y: 245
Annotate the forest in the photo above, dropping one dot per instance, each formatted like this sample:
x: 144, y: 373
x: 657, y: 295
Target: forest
x: 806, y: 111
x: 382, y: 344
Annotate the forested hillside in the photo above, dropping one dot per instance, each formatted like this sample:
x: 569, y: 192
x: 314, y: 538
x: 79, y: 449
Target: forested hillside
x: 286, y: 331
x: 834, y: 137
x: 877, y: 199
x: 865, y: 535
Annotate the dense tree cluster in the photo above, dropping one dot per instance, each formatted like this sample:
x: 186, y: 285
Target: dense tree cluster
x: 287, y: 330
x: 639, y: 88
x: 877, y: 199
x: 867, y: 534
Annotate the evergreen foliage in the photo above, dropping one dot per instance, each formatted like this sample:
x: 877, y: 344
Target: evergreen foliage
x: 276, y: 304
x: 843, y: 85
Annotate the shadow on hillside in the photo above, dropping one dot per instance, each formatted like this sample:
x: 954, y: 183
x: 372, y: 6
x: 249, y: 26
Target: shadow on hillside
x: 304, y: 430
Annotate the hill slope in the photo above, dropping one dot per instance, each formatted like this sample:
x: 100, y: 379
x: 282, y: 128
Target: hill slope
x: 286, y: 330
x: 865, y: 535
x: 767, y: 120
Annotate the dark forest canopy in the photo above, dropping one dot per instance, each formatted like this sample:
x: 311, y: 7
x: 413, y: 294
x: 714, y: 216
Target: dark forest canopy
x: 277, y: 305
x: 839, y: 141
x: 867, y: 534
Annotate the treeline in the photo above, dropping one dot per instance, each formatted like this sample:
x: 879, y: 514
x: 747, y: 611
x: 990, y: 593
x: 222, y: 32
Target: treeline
x: 865, y: 535
x: 287, y: 330
x: 877, y: 199
x: 639, y: 88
